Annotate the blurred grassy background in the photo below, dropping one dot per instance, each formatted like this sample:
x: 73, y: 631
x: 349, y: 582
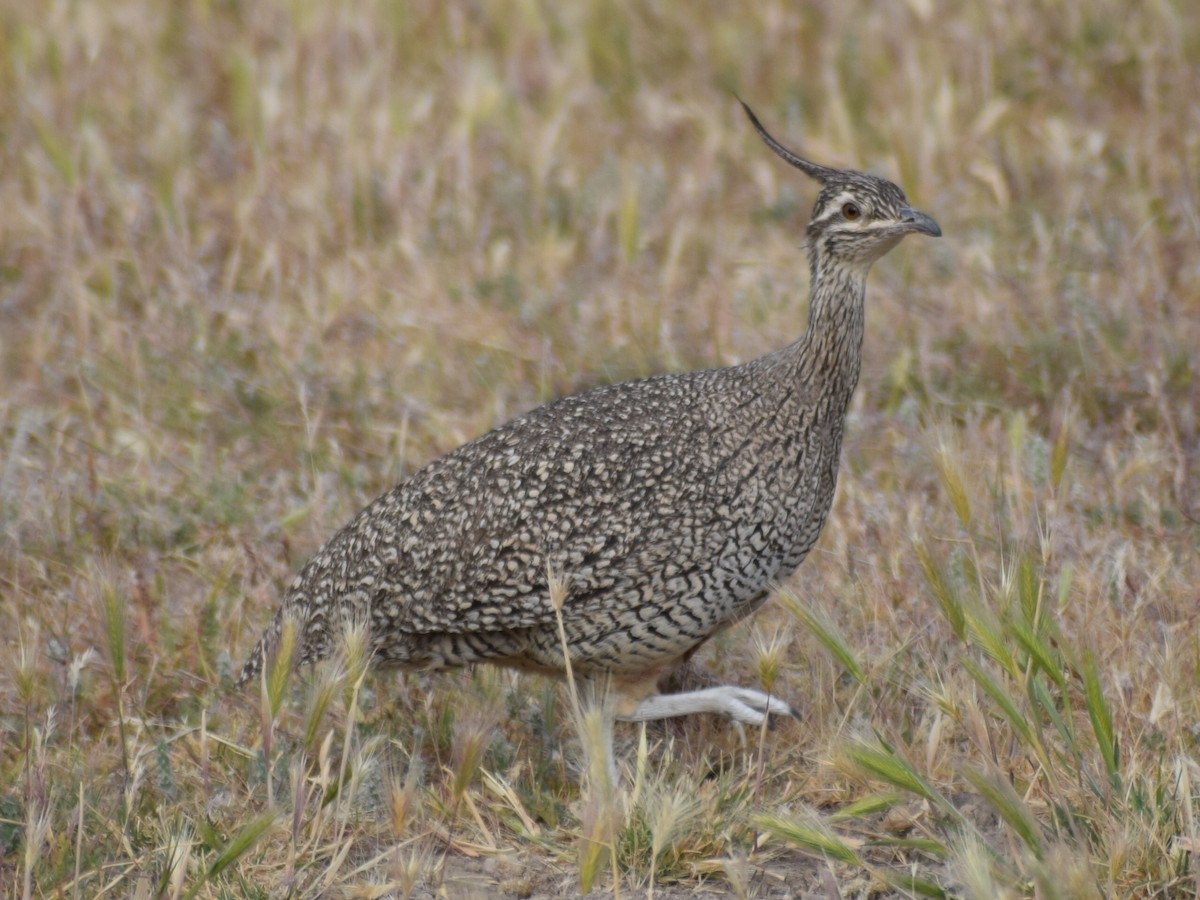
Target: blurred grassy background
x: 259, y: 261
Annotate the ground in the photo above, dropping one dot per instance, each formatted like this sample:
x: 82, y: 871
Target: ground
x: 261, y: 261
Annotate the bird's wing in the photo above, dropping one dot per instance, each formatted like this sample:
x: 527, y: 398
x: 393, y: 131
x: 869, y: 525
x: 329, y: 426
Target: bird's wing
x: 578, y: 487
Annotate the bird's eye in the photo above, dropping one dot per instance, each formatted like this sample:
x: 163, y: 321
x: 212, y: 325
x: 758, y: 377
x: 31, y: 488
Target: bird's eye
x: 851, y: 211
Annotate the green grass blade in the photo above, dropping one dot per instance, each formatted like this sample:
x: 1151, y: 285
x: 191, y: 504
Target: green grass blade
x: 987, y: 634
x: 1029, y: 588
x: 1000, y: 794
x: 947, y: 459
x: 238, y: 846
x: 319, y: 702
x: 1101, y: 718
x: 114, y: 611
x: 335, y: 785
x: 281, y: 666
x: 1060, y: 452
x: 1006, y: 703
x: 866, y: 806
x: 1038, y: 650
x: 811, y: 835
x: 912, y: 884
x: 56, y: 149
x: 1062, y: 724
x: 930, y: 846
x: 948, y: 601
x: 1064, y: 585
x: 825, y: 631
x: 883, y: 763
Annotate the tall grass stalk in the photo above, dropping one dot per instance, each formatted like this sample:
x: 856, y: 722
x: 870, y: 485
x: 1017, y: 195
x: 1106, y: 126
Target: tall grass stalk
x: 79, y: 828
x: 769, y: 661
x: 273, y: 683
x: 355, y: 647
x: 37, y: 827
x: 112, y: 607
x: 593, y: 718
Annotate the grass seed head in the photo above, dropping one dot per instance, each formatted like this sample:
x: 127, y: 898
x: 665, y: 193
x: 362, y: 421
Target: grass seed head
x: 768, y: 658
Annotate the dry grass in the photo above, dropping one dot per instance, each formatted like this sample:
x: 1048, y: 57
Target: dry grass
x: 259, y: 261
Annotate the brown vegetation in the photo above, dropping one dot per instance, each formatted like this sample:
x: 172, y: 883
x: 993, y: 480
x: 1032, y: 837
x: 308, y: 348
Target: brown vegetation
x: 258, y: 261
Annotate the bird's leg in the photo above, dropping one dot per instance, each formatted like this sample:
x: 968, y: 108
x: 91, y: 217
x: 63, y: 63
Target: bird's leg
x: 745, y: 705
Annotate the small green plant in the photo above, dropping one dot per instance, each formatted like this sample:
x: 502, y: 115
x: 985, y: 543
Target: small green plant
x: 1030, y: 703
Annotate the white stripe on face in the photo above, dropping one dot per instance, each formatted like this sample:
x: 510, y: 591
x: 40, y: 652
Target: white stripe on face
x: 834, y: 209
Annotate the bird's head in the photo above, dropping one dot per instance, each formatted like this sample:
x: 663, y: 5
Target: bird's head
x: 857, y: 217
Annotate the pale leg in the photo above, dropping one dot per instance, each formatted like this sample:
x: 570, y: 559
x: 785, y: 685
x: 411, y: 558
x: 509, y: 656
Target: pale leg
x: 744, y: 705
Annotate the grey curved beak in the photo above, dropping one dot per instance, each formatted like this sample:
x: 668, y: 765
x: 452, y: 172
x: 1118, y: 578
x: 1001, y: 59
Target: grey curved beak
x: 919, y: 221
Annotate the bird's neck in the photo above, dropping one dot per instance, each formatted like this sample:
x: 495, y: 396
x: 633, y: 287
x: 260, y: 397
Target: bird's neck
x: 827, y: 358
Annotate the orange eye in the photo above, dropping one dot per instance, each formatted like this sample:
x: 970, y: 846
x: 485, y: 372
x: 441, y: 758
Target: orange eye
x: 851, y: 212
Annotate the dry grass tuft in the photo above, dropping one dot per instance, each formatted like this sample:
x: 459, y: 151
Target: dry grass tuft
x: 260, y: 261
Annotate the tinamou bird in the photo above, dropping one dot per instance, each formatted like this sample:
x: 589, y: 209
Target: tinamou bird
x: 666, y: 508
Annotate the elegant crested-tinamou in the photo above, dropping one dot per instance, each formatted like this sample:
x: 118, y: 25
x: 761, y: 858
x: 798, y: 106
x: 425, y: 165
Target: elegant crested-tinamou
x: 667, y: 508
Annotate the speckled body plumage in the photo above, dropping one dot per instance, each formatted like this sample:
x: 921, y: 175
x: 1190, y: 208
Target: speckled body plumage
x: 668, y: 507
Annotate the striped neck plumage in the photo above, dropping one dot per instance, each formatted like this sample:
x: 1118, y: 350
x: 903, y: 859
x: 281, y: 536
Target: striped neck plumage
x: 828, y: 355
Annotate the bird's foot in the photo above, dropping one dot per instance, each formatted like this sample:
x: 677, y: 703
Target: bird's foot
x: 744, y: 705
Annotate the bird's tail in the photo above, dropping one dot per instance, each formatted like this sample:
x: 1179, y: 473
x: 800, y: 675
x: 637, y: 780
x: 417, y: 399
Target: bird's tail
x: 301, y: 630
x: 261, y: 650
